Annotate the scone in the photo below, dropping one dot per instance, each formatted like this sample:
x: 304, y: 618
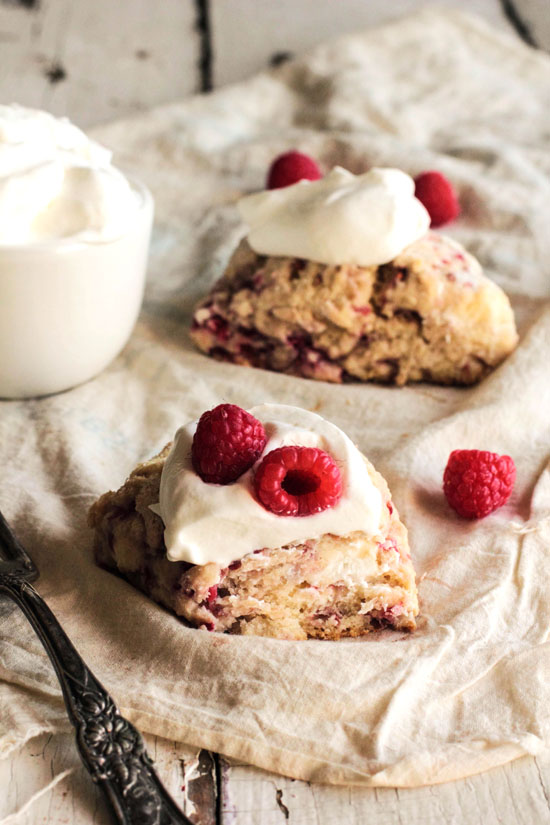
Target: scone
x: 426, y: 314
x: 326, y: 582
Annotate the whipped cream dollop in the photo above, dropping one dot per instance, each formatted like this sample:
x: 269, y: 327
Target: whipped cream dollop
x: 341, y: 219
x: 57, y: 183
x: 222, y: 523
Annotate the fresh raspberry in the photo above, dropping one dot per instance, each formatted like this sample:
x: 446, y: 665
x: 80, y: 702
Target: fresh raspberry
x: 438, y: 196
x: 298, y: 481
x: 227, y: 442
x: 476, y: 482
x: 290, y: 168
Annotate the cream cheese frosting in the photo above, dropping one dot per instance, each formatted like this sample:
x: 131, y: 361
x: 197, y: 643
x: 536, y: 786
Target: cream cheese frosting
x: 366, y: 220
x: 222, y: 523
x: 57, y: 183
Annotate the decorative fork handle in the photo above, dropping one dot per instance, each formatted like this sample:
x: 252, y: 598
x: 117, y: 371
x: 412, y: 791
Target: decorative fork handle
x: 111, y: 748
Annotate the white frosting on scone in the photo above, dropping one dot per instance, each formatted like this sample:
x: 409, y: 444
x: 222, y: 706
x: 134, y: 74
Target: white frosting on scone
x: 222, y: 523
x: 366, y: 220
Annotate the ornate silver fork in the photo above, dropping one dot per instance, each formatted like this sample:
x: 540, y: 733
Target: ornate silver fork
x: 110, y: 747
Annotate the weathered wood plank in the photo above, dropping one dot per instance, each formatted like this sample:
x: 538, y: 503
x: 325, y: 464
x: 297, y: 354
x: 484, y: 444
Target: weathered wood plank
x: 248, y: 35
x: 515, y: 794
x: 188, y: 775
x: 97, y: 61
x: 532, y: 19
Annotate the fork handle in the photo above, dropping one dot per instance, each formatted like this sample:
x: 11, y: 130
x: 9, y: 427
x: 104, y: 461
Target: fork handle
x: 110, y: 747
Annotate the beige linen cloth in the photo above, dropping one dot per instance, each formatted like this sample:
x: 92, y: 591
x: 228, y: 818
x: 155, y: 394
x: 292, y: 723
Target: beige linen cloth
x: 471, y: 688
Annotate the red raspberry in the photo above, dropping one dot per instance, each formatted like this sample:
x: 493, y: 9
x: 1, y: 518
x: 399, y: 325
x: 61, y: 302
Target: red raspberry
x: 227, y: 442
x: 290, y: 168
x: 476, y: 482
x: 298, y: 481
x: 438, y: 196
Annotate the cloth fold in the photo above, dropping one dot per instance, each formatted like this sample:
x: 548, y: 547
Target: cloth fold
x: 470, y: 689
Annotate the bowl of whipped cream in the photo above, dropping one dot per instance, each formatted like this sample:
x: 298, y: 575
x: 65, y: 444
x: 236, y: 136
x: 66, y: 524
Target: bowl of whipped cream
x: 74, y: 242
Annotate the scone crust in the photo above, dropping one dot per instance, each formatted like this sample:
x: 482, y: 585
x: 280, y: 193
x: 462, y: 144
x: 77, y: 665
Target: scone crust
x: 329, y: 588
x: 429, y: 315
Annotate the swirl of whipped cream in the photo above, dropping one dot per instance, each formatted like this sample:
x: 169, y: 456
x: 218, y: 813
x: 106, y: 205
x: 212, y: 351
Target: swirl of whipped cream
x: 343, y: 218
x: 57, y: 183
x: 222, y: 523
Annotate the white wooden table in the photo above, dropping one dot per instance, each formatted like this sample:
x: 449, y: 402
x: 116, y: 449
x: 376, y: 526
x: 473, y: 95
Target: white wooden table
x: 96, y: 61
x: 213, y: 791
x: 99, y: 60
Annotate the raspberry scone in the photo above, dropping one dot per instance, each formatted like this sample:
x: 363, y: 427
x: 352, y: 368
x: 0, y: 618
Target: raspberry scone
x: 340, y: 313
x: 303, y: 543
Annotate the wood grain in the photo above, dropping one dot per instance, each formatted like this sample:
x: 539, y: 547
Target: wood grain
x: 189, y: 776
x: 99, y: 60
x: 516, y: 794
x: 531, y: 18
x: 248, y: 35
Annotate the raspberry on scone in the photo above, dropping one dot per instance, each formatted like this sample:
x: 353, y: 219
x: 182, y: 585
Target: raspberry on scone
x: 298, y: 481
x: 227, y: 442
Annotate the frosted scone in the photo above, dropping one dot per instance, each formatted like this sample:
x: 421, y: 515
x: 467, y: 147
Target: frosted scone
x: 268, y: 522
x: 340, y: 280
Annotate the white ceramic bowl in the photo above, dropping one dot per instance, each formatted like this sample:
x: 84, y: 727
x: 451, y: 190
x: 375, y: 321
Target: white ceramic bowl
x: 68, y: 307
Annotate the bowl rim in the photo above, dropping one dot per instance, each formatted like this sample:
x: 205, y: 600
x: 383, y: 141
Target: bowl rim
x: 145, y: 204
